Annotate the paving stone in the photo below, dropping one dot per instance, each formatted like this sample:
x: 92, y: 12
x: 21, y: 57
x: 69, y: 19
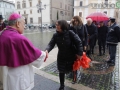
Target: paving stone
x: 42, y: 83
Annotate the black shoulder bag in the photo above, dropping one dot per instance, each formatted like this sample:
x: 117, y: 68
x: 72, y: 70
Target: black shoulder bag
x: 74, y: 49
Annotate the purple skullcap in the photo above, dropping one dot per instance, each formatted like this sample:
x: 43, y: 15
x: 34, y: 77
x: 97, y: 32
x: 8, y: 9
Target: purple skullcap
x: 14, y: 16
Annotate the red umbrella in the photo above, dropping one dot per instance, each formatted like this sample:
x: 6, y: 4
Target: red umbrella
x: 98, y: 16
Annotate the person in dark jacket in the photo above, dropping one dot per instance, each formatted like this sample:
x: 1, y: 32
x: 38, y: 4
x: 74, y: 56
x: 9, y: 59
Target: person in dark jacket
x: 97, y: 25
x: 77, y: 26
x: 79, y: 29
x: 102, y: 34
x: 112, y: 40
x: 2, y: 24
x: 66, y: 56
x: 92, y: 33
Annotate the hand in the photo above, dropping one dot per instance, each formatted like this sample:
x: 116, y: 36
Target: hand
x: 46, y: 55
x: 85, y: 47
x: 79, y: 57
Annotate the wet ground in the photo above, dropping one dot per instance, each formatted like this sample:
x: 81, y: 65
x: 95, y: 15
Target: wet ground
x: 39, y: 38
x: 100, y: 76
x: 42, y: 83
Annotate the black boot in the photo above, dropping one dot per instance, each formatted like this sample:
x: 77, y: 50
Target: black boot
x: 74, y: 77
x: 100, y: 54
x: 61, y: 88
x: 103, y: 53
x: 92, y: 51
x: 62, y: 79
x: 104, y: 50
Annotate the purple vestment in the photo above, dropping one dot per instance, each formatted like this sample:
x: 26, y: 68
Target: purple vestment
x: 16, y: 50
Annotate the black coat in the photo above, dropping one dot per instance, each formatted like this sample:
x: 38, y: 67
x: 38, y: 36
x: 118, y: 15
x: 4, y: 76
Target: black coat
x: 82, y: 33
x: 102, y: 34
x: 66, y: 56
x: 2, y: 26
x: 92, y: 32
x: 113, y: 35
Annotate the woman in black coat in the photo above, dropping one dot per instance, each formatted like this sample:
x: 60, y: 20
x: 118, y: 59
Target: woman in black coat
x: 77, y: 26
x: 65, y: 39
x: 80, y: 29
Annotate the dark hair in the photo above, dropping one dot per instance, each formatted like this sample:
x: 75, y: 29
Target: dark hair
x: 78, y: 19
x: 63, y: 24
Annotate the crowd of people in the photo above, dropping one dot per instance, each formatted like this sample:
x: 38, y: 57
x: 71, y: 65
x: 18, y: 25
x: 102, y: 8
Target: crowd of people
x: 18, y: 55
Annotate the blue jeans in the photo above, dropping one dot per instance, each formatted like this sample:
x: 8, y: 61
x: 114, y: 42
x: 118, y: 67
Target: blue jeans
x: 112, y: 53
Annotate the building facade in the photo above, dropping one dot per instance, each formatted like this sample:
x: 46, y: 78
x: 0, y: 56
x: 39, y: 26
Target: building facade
x: 55, y: 10
x: 28, y: 9
x: 61, y: 9
x: 117, y: 16
x: 6, y: 8
x: 85, y: 7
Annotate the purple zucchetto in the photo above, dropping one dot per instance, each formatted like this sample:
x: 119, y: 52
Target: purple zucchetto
x: 14, y: 16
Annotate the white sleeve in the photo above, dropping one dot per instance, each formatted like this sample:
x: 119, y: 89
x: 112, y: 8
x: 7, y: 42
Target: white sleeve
x: 37, y: 63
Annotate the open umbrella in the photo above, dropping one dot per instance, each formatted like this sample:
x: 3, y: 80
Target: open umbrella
x: 98, y: 16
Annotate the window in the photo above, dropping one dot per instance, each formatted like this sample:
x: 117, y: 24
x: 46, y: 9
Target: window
x: 68, y: 14
x: 80, y: 14
x: 65, y: 7
x: 25, y: 20
x: 30, y: 11
x: 18, y: 5
x: 31, y: 20
x: 60, y: 5
x: 5, y: 5
x: 24, y: 4
x: 39, y: 20
x: 30, y: 4
x: 81, y: 3
x: 68, y: 7
x: 24, y: 12
x: 62, y: 13
x: 65, y: 13
x: 105, y: 12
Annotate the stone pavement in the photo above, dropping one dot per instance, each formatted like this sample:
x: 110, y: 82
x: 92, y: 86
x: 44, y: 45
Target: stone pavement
x: 99, y: 76
x: 42, y: 83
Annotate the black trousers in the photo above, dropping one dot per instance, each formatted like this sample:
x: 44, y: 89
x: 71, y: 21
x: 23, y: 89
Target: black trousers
x: 92, y: 49
x: 102, y: 45
x: 112, y: 53
x: 62, y: 79
x: 74, y: 76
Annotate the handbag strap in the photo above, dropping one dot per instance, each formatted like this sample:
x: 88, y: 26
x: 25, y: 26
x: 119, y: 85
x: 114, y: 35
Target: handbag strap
x: 70, y: 35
